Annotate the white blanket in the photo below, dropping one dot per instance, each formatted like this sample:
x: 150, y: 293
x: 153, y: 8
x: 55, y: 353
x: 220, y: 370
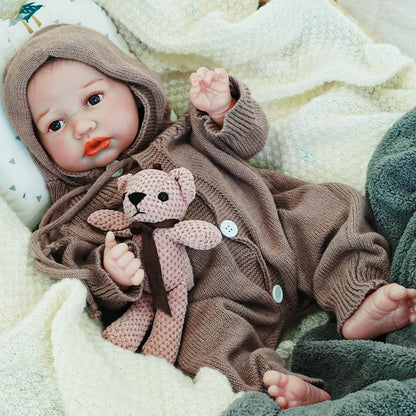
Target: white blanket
x: 329, y: 92
x: 387, y: 21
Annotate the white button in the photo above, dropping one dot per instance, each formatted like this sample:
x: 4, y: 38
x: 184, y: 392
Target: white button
x: 277, y: 294
x: 229, y: 228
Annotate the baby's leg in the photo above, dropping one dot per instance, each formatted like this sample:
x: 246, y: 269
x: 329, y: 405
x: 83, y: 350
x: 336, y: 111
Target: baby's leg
x: 288, y: 390
x: 388, y: 308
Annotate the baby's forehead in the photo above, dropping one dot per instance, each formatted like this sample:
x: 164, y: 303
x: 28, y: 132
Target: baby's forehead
x: 64, y: 65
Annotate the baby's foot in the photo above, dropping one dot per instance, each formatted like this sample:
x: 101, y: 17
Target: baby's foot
x: 290, y: 391
x: 388, y: 308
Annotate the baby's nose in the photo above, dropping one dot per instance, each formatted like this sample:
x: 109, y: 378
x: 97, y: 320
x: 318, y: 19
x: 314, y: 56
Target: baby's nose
x: 83, y: 126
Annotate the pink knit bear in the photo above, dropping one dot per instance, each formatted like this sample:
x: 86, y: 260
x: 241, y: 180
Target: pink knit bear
x: 152, y: 196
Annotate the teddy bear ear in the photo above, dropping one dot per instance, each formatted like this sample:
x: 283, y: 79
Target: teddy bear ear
x: 186, y: 182
x: 122, y: 182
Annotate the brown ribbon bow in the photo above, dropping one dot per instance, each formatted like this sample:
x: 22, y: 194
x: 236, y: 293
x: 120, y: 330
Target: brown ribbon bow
x: 151, y: 261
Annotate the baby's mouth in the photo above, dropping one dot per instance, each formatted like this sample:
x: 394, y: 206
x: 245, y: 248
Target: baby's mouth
x: 95, y: 145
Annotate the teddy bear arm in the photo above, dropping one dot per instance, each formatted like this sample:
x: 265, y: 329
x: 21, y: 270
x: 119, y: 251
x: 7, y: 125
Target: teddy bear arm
x: 200, y: 235
x: 110, y: 220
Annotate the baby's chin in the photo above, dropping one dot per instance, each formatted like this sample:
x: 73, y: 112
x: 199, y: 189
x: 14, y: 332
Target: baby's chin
x: 103, y: 159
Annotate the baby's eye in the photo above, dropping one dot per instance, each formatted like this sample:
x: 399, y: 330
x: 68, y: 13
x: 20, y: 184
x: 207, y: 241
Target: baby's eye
x: 56, y: 125
x: 94, y: 99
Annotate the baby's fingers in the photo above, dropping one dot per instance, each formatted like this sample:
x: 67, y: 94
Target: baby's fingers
x: 221, y: 73
x: 195, y: 78
x: 118, y: 251
x: 110, y: 241
x: 209, y: 77
x: 201, y: 76
x: 135, y: 271
x: 202, y: 71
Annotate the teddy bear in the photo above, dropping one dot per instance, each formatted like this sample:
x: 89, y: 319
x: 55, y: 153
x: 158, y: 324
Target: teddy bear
x: 154, y: 204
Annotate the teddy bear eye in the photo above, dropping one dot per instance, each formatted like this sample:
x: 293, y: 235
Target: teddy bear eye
x: 163, y: 196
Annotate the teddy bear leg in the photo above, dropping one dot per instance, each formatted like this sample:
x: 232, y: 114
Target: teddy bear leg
x: 128, y: 331
x: 165, y: 337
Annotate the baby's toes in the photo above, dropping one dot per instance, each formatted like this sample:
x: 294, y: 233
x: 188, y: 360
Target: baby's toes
x: 412, y: 310
x: 411, y: 294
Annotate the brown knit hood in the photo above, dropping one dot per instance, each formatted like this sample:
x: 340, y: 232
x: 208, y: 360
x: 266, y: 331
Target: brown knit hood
x: 92, y: 48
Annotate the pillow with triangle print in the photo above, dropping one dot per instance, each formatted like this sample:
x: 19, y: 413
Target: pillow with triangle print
x: 21, y: 184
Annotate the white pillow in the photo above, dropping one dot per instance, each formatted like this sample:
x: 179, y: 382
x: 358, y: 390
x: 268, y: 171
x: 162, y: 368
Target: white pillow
x: 21, y: 184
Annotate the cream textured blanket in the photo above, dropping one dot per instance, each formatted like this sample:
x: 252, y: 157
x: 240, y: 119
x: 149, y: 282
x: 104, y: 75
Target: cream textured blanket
x: 330, y: 93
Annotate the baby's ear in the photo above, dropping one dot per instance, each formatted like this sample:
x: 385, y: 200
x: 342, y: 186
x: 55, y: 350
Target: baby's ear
x: 122, y: 182
x: 186, y: 182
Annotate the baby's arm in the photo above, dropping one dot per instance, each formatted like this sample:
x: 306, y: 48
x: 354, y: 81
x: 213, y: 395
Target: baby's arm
x: 120, y: 263
x: 210, y: 92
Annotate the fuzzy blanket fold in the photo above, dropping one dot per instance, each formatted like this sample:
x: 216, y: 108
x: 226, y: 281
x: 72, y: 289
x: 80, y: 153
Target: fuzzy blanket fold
x: 391, y: 189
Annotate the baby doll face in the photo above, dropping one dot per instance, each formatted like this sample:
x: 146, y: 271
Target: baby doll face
x: 84, y: 119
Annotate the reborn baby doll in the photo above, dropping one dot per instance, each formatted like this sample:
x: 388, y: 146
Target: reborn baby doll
x: 87, y: 111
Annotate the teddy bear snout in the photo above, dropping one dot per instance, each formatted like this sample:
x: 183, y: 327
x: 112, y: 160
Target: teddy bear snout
x: 136, y: 197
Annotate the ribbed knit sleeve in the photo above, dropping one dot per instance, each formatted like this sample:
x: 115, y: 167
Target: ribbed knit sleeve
x: 245, y: 128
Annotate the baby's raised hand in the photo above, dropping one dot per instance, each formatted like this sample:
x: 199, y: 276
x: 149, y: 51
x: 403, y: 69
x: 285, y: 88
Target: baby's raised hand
x: 210, y: 92
x: 120, y: 263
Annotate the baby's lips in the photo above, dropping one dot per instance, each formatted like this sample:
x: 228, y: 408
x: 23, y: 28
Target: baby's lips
x: 95, y: 145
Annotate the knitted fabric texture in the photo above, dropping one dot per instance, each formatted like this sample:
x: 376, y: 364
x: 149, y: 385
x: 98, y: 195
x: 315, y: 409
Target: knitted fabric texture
x: 150, y: 259
x: 155, y: 196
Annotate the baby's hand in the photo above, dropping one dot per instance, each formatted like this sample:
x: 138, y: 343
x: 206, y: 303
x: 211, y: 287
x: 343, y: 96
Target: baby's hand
x: 124, y: 268
x: 210, y: 92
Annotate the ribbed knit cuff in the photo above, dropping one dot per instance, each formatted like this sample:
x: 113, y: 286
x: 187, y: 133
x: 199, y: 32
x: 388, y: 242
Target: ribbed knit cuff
x: 106, y: 291
x: 352, y: 292
x: 245, y: 125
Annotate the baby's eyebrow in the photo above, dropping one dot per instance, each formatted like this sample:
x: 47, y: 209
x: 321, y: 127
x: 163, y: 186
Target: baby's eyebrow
x: 41, y: 115
x: 91, y: 82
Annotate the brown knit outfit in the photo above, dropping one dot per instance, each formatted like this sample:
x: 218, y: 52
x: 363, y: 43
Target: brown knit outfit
x: 315, y: 242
